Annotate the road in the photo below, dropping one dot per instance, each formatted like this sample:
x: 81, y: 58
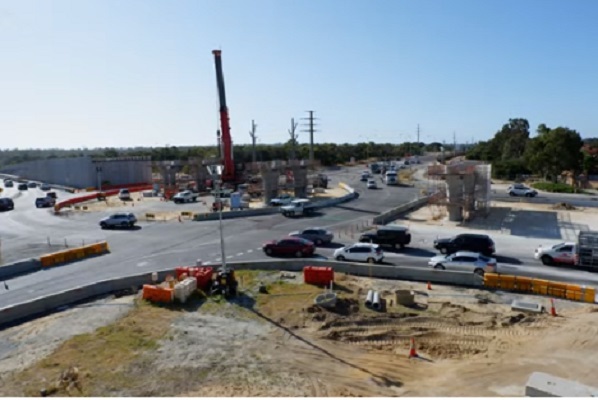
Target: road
x: 499, y: 193
x: 170, y: 244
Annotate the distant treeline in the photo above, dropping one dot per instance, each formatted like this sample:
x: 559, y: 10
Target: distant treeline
x: 327, y: 153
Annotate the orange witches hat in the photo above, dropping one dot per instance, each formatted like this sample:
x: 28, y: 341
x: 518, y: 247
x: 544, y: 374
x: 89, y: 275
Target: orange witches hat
x: 412, y: 350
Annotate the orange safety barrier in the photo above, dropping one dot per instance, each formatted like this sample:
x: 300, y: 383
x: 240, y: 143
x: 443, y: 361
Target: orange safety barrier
x: 318, y: 275
x: 158, y: 294
x: 47, y: 260
x: 523, y: 284
x: 506, y: 282
x: 557, y: 289
x: 540, y: 286
x: 58, y: 258
x: 202, y: 274
x: 69, y: 255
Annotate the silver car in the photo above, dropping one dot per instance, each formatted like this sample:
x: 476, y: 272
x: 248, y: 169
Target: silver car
x: 465, y: 261
x: 318, y: 236
x: 118, y: 220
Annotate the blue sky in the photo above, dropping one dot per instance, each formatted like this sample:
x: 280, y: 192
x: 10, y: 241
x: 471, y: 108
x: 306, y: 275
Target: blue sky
x: 99, y: 73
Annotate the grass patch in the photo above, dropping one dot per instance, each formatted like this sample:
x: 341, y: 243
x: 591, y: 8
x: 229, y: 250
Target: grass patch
x: 554, y: 187
x: 101, y: 356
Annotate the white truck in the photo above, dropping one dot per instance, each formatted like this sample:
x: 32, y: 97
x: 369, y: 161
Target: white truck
x: 185, y: 196
x: 282, y: 200
x: 297, y: 208
x: 562, y: 253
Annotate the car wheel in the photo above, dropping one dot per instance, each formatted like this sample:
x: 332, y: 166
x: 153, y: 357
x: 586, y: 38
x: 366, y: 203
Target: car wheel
x: 479, y: 271
x: 124, y: 224
x: 299, y: 254
x: 318, y: 242
x: 131, y: 224
x: 103, y: 225
x: 528, y: 195
x: 402, y: 245
x: 371, y: 260
x: 443, y: 250
x: 547, y: 260
x: 340, y: 258
x: 440, y: 267
x: 511, y: 194
x: 269, y: 251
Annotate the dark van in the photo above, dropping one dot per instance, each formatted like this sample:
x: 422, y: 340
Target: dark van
x: 6, y: 204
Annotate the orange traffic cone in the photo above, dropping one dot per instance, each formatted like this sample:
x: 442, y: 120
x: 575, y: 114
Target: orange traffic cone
x: 552, y: 308
x: 412, y: 350
x: 429, y: 286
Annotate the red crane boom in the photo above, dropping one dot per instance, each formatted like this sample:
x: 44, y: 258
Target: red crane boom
x: 228, y: 174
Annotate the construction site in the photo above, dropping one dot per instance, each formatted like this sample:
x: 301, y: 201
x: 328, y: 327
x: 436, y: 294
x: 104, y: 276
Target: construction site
x: 272, y: 340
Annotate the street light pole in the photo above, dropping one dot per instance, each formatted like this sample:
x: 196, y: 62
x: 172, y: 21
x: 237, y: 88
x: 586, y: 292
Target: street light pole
x: 218, y: 199
x: 99, y: 173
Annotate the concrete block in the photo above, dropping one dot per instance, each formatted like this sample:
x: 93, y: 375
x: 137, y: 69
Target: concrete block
x: 541, y: 384
x: 404, y: 297
x: 518, y: 305
x: 19, y: 268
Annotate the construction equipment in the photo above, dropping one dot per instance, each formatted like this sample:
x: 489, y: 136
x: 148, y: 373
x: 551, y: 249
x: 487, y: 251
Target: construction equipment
x: 225, y: 283
x: 231, y: 173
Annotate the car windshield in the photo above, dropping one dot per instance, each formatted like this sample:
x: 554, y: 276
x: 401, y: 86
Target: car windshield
x: 557, y: 245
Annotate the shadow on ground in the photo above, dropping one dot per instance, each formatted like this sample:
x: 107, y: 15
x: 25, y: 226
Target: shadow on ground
x: 550, y: 225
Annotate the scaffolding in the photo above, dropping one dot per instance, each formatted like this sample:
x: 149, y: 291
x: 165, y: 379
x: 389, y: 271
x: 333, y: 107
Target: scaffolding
x: 459, y: 190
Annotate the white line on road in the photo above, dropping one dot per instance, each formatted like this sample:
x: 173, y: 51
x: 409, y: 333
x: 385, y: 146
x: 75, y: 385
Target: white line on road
x: 250, y: 251
x: 229, y: 256
x: 239, y: 254
x: 142, y: 264
x: 259, y: 248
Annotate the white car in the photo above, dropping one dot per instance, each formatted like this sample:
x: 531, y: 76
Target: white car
x: 282, y: 200
x: 372, y: 184
x: 118, y: 220
x: 465, y: 261
x: 124, y: 194
x: 363, y: 252
x: 562, y: 253
x: 519, y: 189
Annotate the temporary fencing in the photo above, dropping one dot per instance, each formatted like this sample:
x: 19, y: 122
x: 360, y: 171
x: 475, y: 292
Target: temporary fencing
x: 541, y: 287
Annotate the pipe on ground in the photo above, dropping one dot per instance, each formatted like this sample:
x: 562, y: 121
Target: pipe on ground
x: 376, y: 301
x: 369, y: 298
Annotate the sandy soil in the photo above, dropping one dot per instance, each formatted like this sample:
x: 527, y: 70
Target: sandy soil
x: 469, y: 342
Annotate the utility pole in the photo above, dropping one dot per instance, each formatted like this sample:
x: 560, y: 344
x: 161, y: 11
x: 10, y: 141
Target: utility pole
x: 418, y: 133
x: 294, y: 137
x: 311, y: 129
x: 253, y: 139
x: 454, y: 144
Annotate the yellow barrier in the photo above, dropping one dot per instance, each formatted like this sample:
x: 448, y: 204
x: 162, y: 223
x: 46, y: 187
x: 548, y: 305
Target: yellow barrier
x: 540, y: 287
x: 103, y: 247
x: 58, y: 258
x: 47, y: 260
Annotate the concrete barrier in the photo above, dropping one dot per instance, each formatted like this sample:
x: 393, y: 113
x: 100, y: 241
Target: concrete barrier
x: 394, y: 213
x: 18, y: 268
x: 212, y: 216
x: 541, y: 384
x: 42, y: 305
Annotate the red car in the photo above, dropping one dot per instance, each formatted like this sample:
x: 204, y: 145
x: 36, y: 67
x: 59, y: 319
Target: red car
x: 289, y: 246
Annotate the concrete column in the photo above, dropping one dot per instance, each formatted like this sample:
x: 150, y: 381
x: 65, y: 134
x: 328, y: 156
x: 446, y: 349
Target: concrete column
x: 270, y: 182
x: 454, y: 190
x: 300, y: 181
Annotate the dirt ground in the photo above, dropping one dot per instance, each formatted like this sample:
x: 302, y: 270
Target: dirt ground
x: 279, y: 344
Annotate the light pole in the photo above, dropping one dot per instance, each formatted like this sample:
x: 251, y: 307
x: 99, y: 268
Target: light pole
x: 218, y: 200
x: 99, y: 173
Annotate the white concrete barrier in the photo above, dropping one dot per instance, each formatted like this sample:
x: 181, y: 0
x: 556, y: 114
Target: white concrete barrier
x: 18, y: 268
x: 541, y: 384
x: 394, y: 213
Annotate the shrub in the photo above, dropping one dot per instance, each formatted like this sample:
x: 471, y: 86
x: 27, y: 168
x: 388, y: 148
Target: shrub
x: 554, y: 187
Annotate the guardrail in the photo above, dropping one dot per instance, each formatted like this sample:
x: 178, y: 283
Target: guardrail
x: 394, y: 213
x: 53, y: 259
x: 42, y: 305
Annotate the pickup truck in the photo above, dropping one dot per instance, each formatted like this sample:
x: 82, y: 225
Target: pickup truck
x: 298, y: 208
x: 562, y: 253
x: 186, y: 196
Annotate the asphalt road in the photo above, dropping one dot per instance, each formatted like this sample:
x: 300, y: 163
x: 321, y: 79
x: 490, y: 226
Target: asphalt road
x: 499, y: 193
x: 169, y: 244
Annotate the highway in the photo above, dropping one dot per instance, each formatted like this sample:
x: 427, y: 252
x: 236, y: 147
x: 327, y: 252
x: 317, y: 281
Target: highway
x: 170, y: 244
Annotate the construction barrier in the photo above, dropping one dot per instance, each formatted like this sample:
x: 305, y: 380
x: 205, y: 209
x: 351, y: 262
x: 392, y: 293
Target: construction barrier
x: 540, y: 287
x: 77, y: 253
x: 157, y: 294
x: 318, y: 275
x: 203, y: 275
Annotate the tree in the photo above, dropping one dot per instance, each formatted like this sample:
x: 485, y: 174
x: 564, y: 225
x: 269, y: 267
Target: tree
x: 554, y: 151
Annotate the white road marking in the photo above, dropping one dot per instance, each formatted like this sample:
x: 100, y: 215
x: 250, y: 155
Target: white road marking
x: 218, y: 259
x: 259, y: 248
x: 229, y: 256
x: 142, y: 263
x: 239, y: 254
x: 250, y: 251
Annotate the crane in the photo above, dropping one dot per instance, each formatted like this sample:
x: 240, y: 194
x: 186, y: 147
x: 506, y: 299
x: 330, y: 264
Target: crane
x: 229, y: 172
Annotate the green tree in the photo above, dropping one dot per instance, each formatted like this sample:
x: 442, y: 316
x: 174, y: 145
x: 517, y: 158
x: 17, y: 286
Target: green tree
x: 554, y: 151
